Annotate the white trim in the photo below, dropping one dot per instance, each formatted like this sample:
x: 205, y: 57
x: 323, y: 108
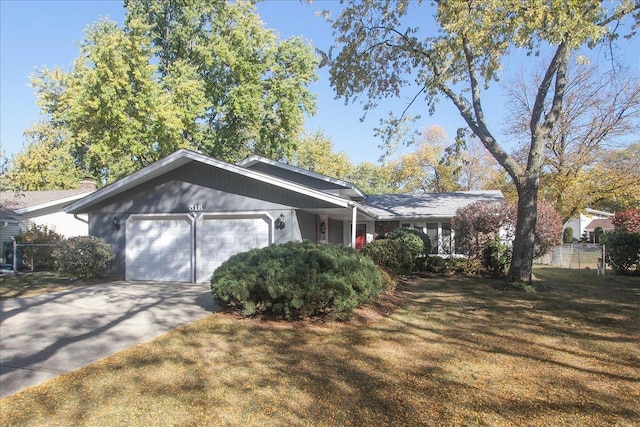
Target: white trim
x: 45, y: 205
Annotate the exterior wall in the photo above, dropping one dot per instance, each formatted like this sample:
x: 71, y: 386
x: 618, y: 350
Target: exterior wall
x: 296, y: 177
x: 6, y: 233
x: 62, y: 223
x: 335, y: 232
x: 307, y: 223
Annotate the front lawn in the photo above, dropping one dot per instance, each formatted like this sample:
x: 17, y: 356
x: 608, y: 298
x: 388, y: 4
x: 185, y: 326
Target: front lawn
x: 26, y: 284
x: 440, y: 351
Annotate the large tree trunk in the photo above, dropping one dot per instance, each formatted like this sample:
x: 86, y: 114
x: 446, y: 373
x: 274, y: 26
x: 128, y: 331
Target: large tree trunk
x: 524, y: 242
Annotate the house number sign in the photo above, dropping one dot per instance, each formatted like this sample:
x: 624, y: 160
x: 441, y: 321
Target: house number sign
x: 195, y: 208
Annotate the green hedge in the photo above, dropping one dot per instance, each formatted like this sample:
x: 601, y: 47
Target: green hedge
x: 84, y: 257
x: 392, y: 255
x: 297, y: 279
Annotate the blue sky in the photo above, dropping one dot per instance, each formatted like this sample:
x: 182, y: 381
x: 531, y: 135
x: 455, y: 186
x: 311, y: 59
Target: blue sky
x: 39, y: 33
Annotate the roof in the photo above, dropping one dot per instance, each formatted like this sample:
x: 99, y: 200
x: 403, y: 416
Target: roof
x: 605, y: 224
x: 600, y: 213
x: 31, y: 201
x: 7, y: 215
x: 340, y: 187
x: 184, y: 156
x: 425, y: 205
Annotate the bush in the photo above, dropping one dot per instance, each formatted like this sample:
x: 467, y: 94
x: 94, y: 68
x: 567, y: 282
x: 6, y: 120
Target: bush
x: 42, y: 256
x: 393, y: 255
x: 567, y: 235
x: 297, y: 279
x: 406, y: 235
x: 436, y: 264
x: 496, y: 257
x: 623, y: 250
x: 84, y: 257
x: 466, y: 266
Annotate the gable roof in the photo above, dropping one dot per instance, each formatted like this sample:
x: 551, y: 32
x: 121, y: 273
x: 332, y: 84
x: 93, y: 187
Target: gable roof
x: 311, y: 178
x: 184, y: 156
x: 605, y: 224
x: 426, y: 205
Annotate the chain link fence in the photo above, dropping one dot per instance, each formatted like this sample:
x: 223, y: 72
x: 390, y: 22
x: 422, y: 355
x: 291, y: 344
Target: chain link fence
x: 577, y: 256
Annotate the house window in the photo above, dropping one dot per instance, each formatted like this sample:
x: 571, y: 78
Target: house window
x: 447, y: 246
x: 432, y: 232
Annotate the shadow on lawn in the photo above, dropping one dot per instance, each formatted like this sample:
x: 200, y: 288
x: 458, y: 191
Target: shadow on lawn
x: 455, y: 351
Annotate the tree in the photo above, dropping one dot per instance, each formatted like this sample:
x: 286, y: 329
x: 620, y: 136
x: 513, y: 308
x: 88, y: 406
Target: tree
x: 315, y: 152
x: 374, y: 179
x: 45, y: 163
x: 430, y: 168
x: 600, y: 112
x: 204, y: 75
x: 479, y: 223
x: 460, y: 58
x: 255, y: 86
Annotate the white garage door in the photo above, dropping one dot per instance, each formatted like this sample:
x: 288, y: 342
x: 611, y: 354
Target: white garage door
x: 219, y: 238
x: 159, y: 248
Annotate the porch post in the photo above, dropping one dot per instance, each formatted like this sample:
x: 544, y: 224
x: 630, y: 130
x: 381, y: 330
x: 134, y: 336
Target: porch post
x: 354, y: 215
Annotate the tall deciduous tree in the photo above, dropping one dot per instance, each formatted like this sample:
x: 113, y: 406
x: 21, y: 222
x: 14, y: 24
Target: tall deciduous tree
x: 428, y: 168
x: 255, y: 85
x: 601, y: 112
x: 205, y: 75
x: 457, y: 59
x: 315, y: 152
x: 45, y: 163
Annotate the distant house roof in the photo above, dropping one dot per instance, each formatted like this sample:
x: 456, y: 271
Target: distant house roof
x: 605, y: 224
x: 436, y: 205
x: 7, y: 215
x: 25, y: 202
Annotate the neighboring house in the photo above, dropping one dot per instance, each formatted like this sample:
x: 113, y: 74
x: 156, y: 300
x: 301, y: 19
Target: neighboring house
x: 586, y: 223
x: 181, y: 217
x: 45, y: 208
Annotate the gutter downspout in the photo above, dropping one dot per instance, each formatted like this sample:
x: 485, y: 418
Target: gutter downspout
x: 80, y: 219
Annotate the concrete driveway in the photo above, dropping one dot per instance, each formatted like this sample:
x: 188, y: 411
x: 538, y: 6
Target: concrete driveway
x: 44, y: 336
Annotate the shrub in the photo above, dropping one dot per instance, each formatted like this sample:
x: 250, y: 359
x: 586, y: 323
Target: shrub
x: 84, y: 257
x: 297, y: 279
x: 406, y: 235
x: 496, y: 257
x: 623, y: 250
x: 436, y: 264
x: 42, y: 256
x: 466, y: 266
x: 481, y: 222
x: 393, y: 255
x: 567, y: 235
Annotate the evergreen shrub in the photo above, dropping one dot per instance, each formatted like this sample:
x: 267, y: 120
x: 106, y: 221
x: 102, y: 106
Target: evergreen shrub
x: 395, y: 256
x: 567, y: 235
x: 407, y: 235
x: 297, y: 279
x: 85, y: 257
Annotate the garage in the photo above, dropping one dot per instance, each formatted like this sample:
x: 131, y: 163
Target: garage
x: 159, y: 248
x: 220, y: 237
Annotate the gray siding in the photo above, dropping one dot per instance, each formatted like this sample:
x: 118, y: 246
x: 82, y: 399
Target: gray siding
x: 309, y: 181
x: 307, y: 223
x: 336, y: 229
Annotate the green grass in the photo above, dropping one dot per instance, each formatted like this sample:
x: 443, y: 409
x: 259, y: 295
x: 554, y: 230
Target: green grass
x: 442, y: 351
x: 27, y: 284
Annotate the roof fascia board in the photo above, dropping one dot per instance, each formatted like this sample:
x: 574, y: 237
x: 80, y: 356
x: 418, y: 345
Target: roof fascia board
x: 252, y: 160
x: 52, y: 203
x: 183, y: 156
